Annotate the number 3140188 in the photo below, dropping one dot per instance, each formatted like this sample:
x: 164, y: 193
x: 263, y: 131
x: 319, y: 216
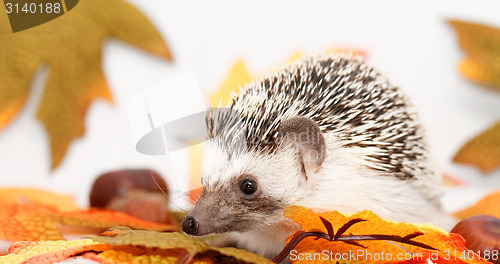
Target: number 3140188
x: 33, y: 8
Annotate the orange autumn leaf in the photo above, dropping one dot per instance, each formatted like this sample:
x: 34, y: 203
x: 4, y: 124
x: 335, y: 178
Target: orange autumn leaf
x: 482, y: 151
x: 36, y: 196
x: 47, y: 252
x: 35, y: 222
x: 71, y: 47
x: 489, y: 205
x: 481, y: 45
x: 449, y: 247
x: 143, y: 256
x: 106, y: 219
x: 20, y: 222
x: 184, y: 246
x: 122, y: 256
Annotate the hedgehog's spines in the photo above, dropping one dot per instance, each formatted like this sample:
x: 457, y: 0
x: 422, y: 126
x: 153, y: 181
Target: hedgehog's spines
x: 344, y: 96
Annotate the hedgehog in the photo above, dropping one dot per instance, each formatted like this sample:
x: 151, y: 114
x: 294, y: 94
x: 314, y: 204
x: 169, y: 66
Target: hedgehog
x: 327, y: 133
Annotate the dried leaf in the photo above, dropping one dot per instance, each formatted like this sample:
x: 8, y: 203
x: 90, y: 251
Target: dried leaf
x: 123, y: 236
x: 36, y: 222
x: 482, y: 151
x: 481, y: 45
x: 36, y: 196
x: 195, y: 248
x: 450, y: 246
x: 16, y: 224
x: 489, y: 205
x: 241, y: 255
x: 143, y: 256
x: 71, y: 46
x: 47, y: 252
x: 105, y: 219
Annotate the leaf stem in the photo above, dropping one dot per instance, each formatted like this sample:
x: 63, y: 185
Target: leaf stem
x: 349, y: 239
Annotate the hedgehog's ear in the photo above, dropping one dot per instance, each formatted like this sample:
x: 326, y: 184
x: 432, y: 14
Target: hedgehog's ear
x: 306, y: 137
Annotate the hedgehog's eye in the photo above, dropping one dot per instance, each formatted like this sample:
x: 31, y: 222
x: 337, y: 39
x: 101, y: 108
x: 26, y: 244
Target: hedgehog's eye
x: 248, y: 187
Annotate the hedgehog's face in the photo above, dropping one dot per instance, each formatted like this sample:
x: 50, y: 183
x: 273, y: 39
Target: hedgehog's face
x: 240, y: 194
x: 245, y: 191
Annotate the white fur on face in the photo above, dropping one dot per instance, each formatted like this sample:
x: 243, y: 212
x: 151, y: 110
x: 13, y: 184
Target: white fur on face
x: 279, y: 174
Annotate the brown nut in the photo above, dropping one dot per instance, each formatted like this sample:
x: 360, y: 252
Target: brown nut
x: 481, y: 234
x: 119, y: 183
x: 149, y: 206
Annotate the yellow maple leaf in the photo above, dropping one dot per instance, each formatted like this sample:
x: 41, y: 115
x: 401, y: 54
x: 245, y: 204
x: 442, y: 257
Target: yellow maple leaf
x: 71, y: 46
x: 482, y: 151
x: 481, y: 45
x: 144, y: 256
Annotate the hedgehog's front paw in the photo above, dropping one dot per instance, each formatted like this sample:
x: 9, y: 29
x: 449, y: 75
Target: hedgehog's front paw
x: 220, y: 240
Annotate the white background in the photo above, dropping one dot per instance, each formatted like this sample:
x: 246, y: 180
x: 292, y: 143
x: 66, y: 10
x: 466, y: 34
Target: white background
x: 408, y: 41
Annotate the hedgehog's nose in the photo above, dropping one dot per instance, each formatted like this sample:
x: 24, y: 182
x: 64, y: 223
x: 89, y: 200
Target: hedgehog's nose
x: 190, y: 225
